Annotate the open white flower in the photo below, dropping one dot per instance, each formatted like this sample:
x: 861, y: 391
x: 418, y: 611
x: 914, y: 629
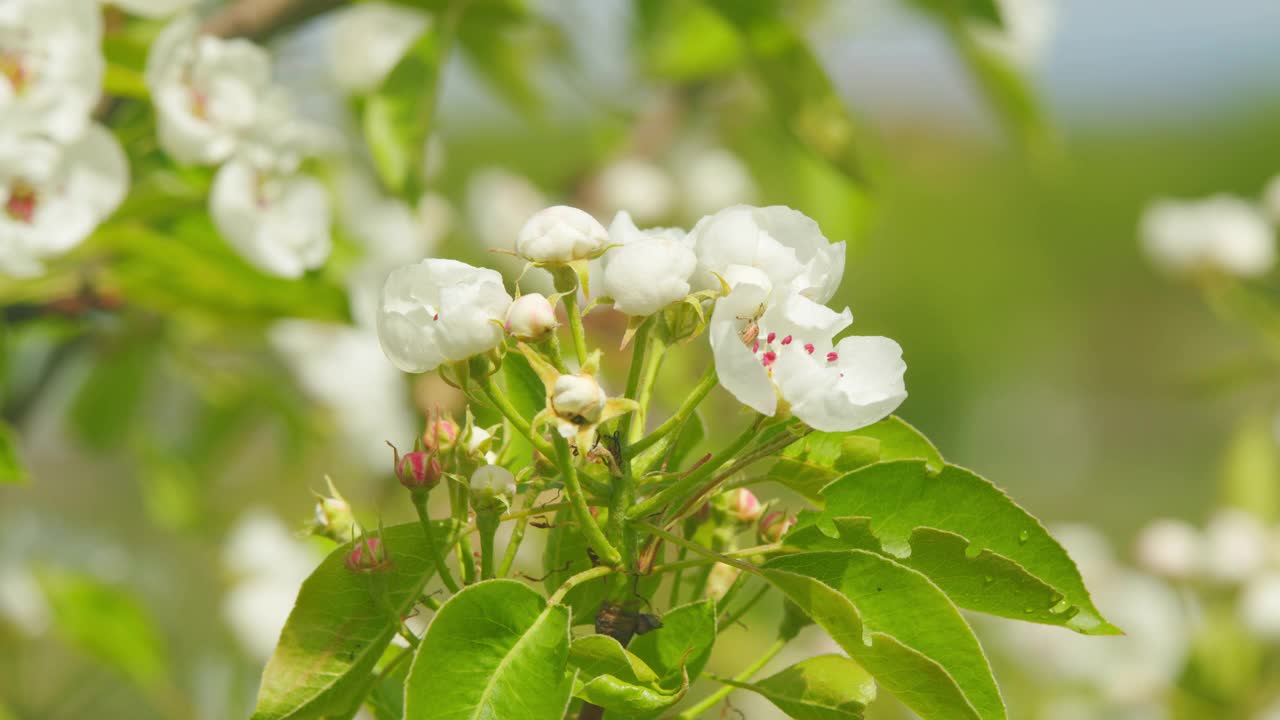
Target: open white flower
x: 268, y: 564
x: 712, y: 178
x: 440, y: 311
x: 637, y: 186
x: 784, y: 244
x: 1223, y: 233
x: 765, y: 346
x: 650, y: 270
x: 208, y: 92
x: 279, y: 223
x: 368, y: 40
x: 53, y: 196
x: 152, y: 8
x: 561, y: 234
x: 50, y: 66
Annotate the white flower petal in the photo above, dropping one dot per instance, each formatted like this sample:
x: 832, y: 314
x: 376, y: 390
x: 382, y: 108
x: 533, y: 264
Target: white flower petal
x: 785, y: 244
x: 279, y: 224
x: 739, y: 370
x: 650, y: 270
x: 368, y: 40
x: 861, y: 387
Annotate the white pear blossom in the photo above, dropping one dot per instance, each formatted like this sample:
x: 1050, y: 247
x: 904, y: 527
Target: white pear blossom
x: 1260, y: 605
x: 208, y: 91
x: 651, y: 268
x: 765, y: 346
x: 51, y: 66
x: 531, y: 317
x: 52, y: 196
x: 268, y: 564
x: 343, y: 369
x: 368, y: 40
x: 1236, y: 546
x: 561, y: 234
x: 1223, y: 233
x: 1172, y: 548
x: 578, y: 397
x: 279, y: 223
x: 152, y: 8
x: 784, y: 244
x: 440, y: 311
x: 712, y: 178
x: 637, y: 186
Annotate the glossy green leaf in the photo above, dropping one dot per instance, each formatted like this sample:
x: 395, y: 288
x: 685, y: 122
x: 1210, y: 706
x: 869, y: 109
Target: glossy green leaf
x: 12, y: 471
x: 682, y: 644
x: 814, y: 461
x: 896, y: 624
x: 799, y: 90
x: 397, y: 117
x: 108, y: 623
x: 620, y: 682
x: 985, y: 582
x: 903, y: 495
x: 340, y: 626
x: 826, y: 687
x: 529, y: 396
x: 495, y: 650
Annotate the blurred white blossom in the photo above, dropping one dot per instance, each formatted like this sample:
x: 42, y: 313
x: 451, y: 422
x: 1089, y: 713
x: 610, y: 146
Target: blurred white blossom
x: 1236, y: 546
x: 1260, y: 605
x: 52, y: 196
x: 1171, y: 548
x: 368, y: 40
x: 710, y: 179
x: 208, y: 91
x: 278, y: 223
x: 638, y: 187
x: 440, y: 311
x: 152, y: 8
x: 51, y: 66
x: 267, y: 564
x: 344, y: 370
x: 1222, y: 233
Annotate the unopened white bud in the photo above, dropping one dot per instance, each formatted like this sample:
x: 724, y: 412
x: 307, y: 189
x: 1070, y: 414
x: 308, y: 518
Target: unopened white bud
x: 1260, y: 606
x: 561, y: 234
x: 493, y: 487
x: 531, y: 317
x: 1171, y: 548
x: 578, y: 397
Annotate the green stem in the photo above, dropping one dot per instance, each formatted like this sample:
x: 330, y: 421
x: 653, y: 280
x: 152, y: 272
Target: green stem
x: 696, y: 548
x: 679, y: 577
x: 584, y: 576
x: 653, y: 363
x: 575, y: 326
x: 686, y: 409
x: 716, y: 697
x: 603, y: 549
x: 490, y: 392
x: 433, y: 543
x: 730, y: 619
x: 488, y: 525
x: 517, y: 533
x: 466, y: 561
x: 684, y: 485
x: 552, y: 348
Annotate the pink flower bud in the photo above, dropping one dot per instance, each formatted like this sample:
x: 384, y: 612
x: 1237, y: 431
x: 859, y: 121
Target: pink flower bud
x: 530, y: 317
x: 774, y: 526
x: 368, y: 555
x: 418, y: 470
x: 744, y: 505
x: 441, y: 435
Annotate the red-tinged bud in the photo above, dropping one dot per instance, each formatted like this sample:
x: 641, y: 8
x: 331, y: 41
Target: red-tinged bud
x: 441, y: 435
x: 418, y: 471
x: 774, y: 526
x: 368, y: 555
x: 744, y: 506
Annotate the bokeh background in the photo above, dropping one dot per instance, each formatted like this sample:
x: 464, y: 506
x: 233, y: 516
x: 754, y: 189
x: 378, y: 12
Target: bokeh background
x: 173, y: 445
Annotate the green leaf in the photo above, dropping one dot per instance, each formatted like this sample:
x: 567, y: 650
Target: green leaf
x: 682, y: 644
x: 12, y: 471
x: 495, y: 650
x: 106, y: 622
x: 340, y: 626
x: 798, y: 87
x: 527, y: 393
x: 814, y: 461
x: 620, y: 682
x: 896, y: 624
x: 826, y: 687
x: 1008, y: 91
x: 691, y: 435
x: 983, y: 10
x: 397, y: 117
x: 386, y: 698
x: 109, y: 400
x: 503, y: 61
x: 903, y: 495
x: 985, y: 582
x: 685, y: 41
